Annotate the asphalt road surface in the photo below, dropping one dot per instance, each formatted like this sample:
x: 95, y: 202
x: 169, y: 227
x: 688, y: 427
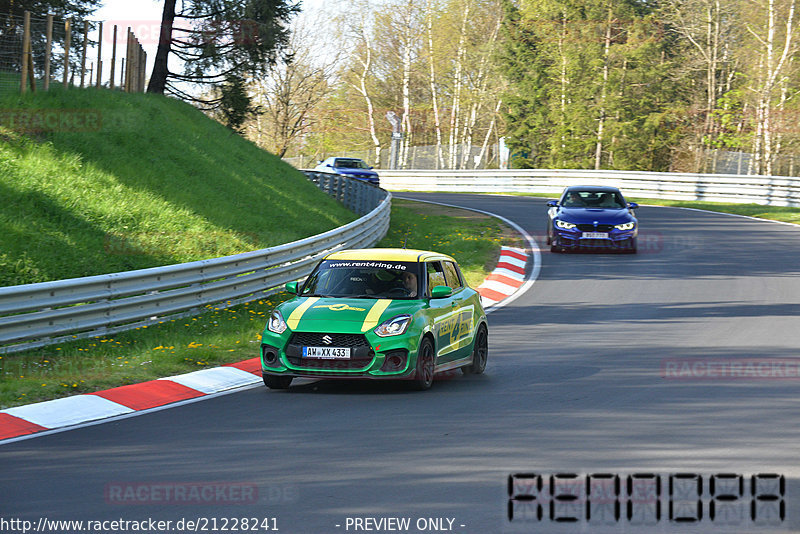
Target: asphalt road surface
x: 658, y: 370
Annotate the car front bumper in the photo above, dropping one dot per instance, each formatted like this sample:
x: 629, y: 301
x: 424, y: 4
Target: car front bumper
x: 379, y: 358
x: 573, y: 239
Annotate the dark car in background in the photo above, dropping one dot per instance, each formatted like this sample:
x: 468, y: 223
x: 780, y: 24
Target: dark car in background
x: 592, y: 217
x: 352, y: 167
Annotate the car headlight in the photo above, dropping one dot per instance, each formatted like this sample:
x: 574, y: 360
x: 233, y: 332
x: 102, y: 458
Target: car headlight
x: 564, y: 224
x: 625, y: 226
x: 276, y: 323
x: 394, y: 326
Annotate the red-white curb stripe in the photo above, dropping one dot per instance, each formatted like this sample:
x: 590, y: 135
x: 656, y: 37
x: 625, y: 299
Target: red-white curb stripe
x: 22, y: 421
x: 80, y: 409
x: 507, y: 277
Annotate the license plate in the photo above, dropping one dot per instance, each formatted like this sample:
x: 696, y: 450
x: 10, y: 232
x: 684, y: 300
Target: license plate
x: 327, y: 353
x: 594, y: 235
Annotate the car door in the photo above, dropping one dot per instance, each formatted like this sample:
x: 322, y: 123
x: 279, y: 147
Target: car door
x: 447, y: 315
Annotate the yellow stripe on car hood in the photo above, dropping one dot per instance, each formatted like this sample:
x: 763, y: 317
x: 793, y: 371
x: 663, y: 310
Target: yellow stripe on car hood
x: 375, y: 313
x: 297, y: 314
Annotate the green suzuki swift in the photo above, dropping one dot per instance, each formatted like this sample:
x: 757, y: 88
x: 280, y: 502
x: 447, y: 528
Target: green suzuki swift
x: 377, y: 314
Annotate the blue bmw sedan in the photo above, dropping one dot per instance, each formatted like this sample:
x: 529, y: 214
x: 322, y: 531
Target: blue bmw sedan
x: 592, y: 217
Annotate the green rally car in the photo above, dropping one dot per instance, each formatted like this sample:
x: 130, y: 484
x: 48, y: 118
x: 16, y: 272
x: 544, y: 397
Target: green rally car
x: 377, y: 314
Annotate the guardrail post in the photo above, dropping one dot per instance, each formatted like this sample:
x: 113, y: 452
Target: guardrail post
x: 26, y: 47
x: 48, y: 49
x: 83, y: 52
x: 99, y: 55
x: 67, y: 42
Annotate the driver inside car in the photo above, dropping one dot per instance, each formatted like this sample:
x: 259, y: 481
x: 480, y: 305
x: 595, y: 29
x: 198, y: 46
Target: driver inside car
x: 410, y: 283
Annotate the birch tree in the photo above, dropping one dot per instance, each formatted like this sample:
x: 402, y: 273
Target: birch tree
x: 775, y: 39
x: 288, y: 98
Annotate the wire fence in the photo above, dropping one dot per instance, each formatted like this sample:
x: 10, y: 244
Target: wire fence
x: 428, y: 157
x: 39, y: 52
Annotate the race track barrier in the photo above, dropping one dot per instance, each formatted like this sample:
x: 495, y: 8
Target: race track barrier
x: 35, y: 315
x: 736, y: 188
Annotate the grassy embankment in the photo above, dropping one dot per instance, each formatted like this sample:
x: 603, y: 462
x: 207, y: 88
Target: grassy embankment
x: 158, y: 183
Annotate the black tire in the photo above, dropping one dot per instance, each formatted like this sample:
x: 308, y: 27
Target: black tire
x: 480, y: 353
x: 554, y: 248
x: 277, y: 382
x: 632, y: 246
x: 423, y: 378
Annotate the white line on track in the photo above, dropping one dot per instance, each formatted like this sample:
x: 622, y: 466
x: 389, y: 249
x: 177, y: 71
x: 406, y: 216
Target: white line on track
x: 793, y: 225
x: 532, y: 245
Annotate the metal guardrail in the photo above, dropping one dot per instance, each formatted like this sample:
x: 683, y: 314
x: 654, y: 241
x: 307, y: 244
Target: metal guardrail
x: 35, y: 315
x: 768, y: 190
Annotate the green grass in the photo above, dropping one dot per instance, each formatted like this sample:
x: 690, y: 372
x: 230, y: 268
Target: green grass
x: 147, y: 181
x: 227, y: 335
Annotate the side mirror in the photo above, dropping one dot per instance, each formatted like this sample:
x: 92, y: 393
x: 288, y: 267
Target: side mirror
x: 371, y: 168
x: 552, y: 203
x: 291, y: 287
x: 440, y: 292
x: 632, y: 205
x: 329, y: 165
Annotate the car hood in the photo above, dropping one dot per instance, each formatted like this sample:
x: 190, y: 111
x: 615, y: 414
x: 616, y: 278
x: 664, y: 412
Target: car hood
x: 343, y: 315
x: 345, y: 170
x: 589, y: 215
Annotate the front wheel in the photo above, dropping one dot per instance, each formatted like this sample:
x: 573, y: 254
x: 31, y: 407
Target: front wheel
x: 480, y: 353
x: 277, y: 382
x: 423, y: 378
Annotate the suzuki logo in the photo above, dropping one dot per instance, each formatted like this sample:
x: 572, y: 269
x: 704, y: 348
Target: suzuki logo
x: 327, y: 339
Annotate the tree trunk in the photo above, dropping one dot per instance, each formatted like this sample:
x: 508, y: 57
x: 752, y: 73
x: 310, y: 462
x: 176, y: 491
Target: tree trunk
x: 598, y: 152
x: 434, y: 99
x: 158, y: 79
x: 365, y: 93
x: 456, y: 109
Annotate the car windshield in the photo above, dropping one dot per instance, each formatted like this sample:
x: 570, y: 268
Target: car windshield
x: 350, y: 163
x: 364, y: 279
x: 593, y: 199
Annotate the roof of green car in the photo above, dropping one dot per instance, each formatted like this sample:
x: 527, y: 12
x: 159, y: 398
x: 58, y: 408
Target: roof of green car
x: 387, y: 254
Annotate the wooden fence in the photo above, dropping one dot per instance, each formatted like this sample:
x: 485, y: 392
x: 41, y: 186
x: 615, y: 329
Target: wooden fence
x: 132, y: 67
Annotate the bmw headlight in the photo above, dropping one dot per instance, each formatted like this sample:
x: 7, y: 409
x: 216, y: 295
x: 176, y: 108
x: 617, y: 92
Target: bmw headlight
x: 625, y: 226
x: 394, y: 326
x: 276, y: 323
x: 564, y: 224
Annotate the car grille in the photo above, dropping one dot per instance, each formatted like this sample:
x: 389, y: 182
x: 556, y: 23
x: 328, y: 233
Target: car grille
x: 593, y: 228
x: 314, y: 339
x: 361, y: 353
